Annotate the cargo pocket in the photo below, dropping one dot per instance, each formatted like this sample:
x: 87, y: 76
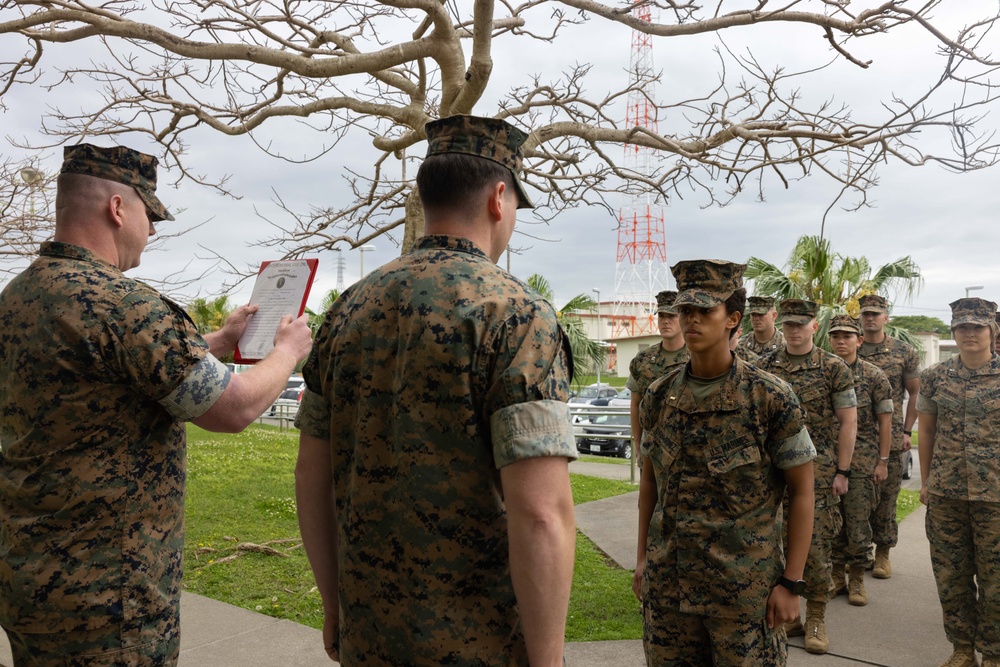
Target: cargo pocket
x: 736, y: 468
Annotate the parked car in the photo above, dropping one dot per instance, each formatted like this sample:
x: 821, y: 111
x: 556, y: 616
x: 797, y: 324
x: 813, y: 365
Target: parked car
x: 287, y: 403
x: 608, y: 435
x: 622, y: 400
x: 907, y: 457
x: 593, y: 392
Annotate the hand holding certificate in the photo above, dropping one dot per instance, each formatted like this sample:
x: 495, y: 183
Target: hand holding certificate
x: 282, y: 288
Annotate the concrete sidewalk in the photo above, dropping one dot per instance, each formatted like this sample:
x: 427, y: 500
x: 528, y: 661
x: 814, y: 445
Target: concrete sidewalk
x: 901, y: 626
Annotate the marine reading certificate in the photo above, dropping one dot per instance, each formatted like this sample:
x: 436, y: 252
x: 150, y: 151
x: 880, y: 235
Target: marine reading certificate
x: 282, y: 288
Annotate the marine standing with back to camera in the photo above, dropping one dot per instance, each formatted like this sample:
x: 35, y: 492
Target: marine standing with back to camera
x: 98, y: 375
x: 433, y: 474
x: 959, y: 427
x: 722, y: 442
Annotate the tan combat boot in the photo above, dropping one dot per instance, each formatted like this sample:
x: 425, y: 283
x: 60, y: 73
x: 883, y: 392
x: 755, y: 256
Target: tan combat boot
x: 795, y: 628
x: 856, y: 593
x: 964, y: 656
x: 991, y: 661
x: 883, y: 568
x: 816, y: 639
x: 839, y: 581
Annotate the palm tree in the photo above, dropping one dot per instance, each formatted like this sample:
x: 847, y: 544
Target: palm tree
x: 208, y: 315
x: 587, y: 353
x: 316, y: 317
x: 836, y: 282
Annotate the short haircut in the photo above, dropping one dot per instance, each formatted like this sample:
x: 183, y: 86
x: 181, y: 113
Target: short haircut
x: 452, y: 181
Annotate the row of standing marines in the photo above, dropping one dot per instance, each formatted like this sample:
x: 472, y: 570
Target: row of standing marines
x: 432, y: 483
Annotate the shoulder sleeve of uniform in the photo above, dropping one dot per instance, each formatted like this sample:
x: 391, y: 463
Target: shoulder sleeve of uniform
x: 158, y: 350
x: 928, y: 389
x: 841, y: 384
x: 529, y: 364
x: 911, y: 365
x: 787, y: 437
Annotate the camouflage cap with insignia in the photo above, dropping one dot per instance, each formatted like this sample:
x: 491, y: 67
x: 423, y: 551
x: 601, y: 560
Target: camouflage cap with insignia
x: 797, y: 311
x: 121, y: 164
x: 845, y: 323
x: 760, y: 305
x: 706, y: 282
x: 488, y: 138
x: 665, y: 302
x: 973, y: 310
x: 873, y: 303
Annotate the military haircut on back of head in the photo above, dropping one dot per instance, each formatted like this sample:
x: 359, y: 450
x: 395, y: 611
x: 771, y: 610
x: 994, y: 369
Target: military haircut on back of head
x: 79, y: 191
x: 453, y: 181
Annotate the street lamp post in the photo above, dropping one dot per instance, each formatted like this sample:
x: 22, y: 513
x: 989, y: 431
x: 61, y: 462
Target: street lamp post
x: 363, y: 249
x: 973, y: 288
x: 600, y: 347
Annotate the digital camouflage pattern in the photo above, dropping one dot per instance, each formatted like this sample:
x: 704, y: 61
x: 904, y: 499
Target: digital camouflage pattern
x: 822, y: 383
x: 873, y: 303
x: 973, y: 310
x: 489, y: 138
x: 966, y: 460
x: 874, y: 396
x: 686, y: 639
x: 651, y: 364
x: 97, y: 374
x: 844, y: 323
x: 900, y: 363
x: 706, y: 283
x: 665, y: 302
x: 718, y: 467
x: 427, y: 377
x: 749, y: 342
x: 759, y: 305
x: 798, y: 311
x: 964, y: 538
x: 746, y: 355
x: 118, y: 164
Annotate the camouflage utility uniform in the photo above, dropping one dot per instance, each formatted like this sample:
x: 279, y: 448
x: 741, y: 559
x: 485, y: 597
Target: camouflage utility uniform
x: 822, y: 383
x: 748, y: 341
x: 651, y: 364
x: 746, y: 355
x: 717, y: 466
x: 871, y: 387
x: 963, y: 498
x: 427, y: 377
x: 900, y: 363
x: 98, y: 372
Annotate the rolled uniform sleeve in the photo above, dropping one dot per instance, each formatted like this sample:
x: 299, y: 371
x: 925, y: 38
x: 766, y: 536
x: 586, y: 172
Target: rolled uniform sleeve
x: 528, y: 386
x: 845, y: 399
x: 925, y: 399
x: 162, y: 354
x: 790, y: 444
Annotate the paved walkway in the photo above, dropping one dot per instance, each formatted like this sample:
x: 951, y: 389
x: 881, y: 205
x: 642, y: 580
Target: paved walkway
x: 901, y: 626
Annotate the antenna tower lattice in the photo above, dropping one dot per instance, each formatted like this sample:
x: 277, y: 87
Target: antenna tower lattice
x: 641, y: 262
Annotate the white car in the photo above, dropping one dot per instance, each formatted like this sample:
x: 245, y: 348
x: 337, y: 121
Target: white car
x: 287, y: 403
x: 592, y: 393
x: 622, y: 400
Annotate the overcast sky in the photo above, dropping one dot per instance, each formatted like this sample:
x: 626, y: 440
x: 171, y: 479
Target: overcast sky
x: 941, y: 219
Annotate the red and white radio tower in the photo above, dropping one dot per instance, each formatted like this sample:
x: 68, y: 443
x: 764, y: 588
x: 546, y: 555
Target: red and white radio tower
x: 641, y: 264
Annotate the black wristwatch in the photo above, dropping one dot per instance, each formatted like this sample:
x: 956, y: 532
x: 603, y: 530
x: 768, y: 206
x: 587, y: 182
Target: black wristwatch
x: 796, y: 587
x: 845, y: 473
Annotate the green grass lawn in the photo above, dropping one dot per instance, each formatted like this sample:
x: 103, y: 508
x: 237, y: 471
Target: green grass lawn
x: 241, y: 493
x: 243, y: 544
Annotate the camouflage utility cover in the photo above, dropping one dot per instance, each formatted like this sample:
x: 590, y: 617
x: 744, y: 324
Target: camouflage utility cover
x: 822, y: 383
x: 427, y: 377
x: 118, y: 164
x: 651, y: 364
x: 798, y: 311
x: 665, y: 302
x: 844, y: 323
x: 718, y: 467
x: 874, y: 394
x: 749, y: 341
x: 759, y: 305
x: 900, y: 363
x: 966, y: 460
x: 706, y: 283
x: 873, y: 303
x: 973, y: 310
x: 97, y: 373
x: 488, y: 138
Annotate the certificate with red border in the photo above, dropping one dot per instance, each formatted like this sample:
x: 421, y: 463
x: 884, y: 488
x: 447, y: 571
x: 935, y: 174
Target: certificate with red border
x: 282, y: 288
